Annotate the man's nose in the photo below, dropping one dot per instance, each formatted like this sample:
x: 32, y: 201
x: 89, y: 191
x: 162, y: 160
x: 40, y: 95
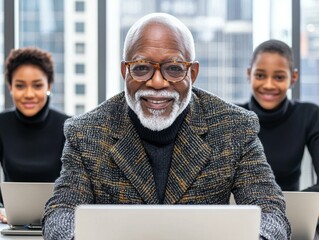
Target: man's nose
x: 157, y: 81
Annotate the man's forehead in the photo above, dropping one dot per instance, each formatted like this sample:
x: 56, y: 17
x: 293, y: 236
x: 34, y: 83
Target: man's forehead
x: 159, y: 59
x: 157, y: 53
x: 154, y: 38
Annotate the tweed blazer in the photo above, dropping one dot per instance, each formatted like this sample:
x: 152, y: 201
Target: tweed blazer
x: 216, y: 152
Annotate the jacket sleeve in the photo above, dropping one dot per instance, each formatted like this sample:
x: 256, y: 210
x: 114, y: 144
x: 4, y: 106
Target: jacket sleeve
x: 255, y: 183
x: 72, y: 188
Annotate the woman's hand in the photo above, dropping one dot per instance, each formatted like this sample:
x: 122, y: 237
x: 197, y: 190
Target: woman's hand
x: 3, y: 218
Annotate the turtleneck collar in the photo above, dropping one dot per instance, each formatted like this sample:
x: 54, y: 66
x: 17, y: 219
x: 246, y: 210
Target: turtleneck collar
x: 273, y: 116
x: 36, y: 119
x: 163, y: 137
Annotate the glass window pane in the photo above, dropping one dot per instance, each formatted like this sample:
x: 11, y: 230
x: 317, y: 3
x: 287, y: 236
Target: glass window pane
x: 79, y: 109
x: 80, y: 48
x: 42, y: 24
x: 309, y: 74
x: 79, y: 89
x: 79, y: 68
x: 79, y: 27
x: 79, y: 6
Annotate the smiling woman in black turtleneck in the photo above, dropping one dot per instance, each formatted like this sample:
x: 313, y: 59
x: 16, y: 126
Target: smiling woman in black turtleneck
x: 31, y: 135
x: 286, y: 127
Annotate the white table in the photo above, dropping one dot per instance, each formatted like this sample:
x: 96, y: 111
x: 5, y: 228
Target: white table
x: 7, y: 237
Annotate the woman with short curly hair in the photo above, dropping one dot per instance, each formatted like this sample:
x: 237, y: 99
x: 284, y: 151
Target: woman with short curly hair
x: 31, y: 134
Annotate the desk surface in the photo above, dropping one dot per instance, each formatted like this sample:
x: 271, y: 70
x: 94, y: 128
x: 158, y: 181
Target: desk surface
x: 3, y: 237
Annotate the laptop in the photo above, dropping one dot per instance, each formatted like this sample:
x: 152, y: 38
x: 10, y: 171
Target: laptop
x: 302, y: 210
x: 24, y: 206
x: 167, y: 222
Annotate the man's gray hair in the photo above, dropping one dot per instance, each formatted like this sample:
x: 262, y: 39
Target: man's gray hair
x: 165, y: 19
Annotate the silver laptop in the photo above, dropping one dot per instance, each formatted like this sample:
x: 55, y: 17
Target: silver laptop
x: 302, y: 210
x: 169, y: 222
x: 24, y: 206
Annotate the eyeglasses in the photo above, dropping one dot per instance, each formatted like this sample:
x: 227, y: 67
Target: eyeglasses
x: 172, y: 71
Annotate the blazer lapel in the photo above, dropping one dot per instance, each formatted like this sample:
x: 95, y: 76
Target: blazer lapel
x: 190, y: 156
x: 131, y: 158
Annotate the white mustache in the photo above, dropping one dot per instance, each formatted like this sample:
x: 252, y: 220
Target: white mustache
x: 151, y: 93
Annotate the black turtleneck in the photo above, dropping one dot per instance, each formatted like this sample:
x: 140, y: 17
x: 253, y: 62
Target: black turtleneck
x: 284, y: 133
x: 159, y: 148
x: 31, y: 147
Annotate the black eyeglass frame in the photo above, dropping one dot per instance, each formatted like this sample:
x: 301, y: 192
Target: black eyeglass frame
x: 157, y: 66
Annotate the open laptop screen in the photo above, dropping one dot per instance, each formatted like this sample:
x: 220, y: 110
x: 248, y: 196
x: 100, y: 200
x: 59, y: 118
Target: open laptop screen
x: 24, y: 202
x: 302, y: 210
x: 158, y: 222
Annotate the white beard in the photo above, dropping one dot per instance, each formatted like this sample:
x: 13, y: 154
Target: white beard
x: 155, y: 121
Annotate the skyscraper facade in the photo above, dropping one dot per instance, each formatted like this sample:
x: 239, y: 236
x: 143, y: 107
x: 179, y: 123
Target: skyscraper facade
x: 41, y: 24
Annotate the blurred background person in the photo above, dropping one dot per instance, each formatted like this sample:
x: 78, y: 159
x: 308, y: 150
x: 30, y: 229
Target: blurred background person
x: 286, y: 127
x: 31, y: 135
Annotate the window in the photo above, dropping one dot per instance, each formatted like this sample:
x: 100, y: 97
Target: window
x: 79, y: 68
x: 180, y: 7
x: 79, y: 89
x: 79, y: 6
x: 79, y: 27
x: 309, y: 62
x: 41, y: 24
x: 80, y: 48
x: 79, y: 109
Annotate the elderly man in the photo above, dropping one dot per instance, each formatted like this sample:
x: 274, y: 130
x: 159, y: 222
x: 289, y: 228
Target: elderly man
x: 163, y: 141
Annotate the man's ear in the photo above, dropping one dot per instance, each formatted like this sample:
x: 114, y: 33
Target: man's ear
x: 294, y: 77
x: 123, y: 69
x: 194, y: 71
